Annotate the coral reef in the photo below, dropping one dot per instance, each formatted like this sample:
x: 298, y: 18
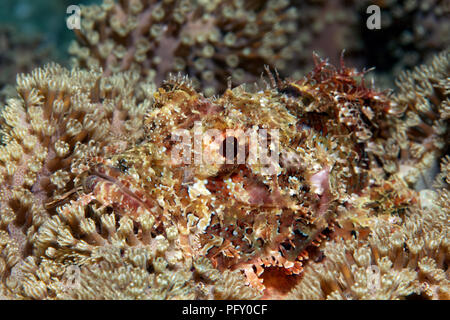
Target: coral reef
x: 119, y: 180
x: 233, y: 212
x: 112, y: 201
x: 58, y: 119
x: 418, y: 129
x: 59, y: 122
x: 402, y: 257
x: 119, y: 35
x: 20, y: 53
x: 209, y: 40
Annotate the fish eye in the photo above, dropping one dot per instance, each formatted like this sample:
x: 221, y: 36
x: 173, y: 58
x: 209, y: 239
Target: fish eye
x: 229, y: 148
x: 291, y: 91
x: 122, y: 165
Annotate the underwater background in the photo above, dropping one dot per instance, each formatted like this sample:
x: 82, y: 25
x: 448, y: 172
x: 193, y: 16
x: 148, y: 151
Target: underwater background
x: 33, y: 33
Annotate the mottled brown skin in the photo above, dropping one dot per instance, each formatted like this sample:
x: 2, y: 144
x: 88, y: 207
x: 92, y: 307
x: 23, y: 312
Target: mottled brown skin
x: 232, y: 213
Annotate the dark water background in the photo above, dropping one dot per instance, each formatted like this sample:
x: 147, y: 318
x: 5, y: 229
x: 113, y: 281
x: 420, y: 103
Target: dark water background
x: 45, y: 19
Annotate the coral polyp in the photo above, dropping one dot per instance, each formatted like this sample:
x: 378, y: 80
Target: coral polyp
x: 209, y: 40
